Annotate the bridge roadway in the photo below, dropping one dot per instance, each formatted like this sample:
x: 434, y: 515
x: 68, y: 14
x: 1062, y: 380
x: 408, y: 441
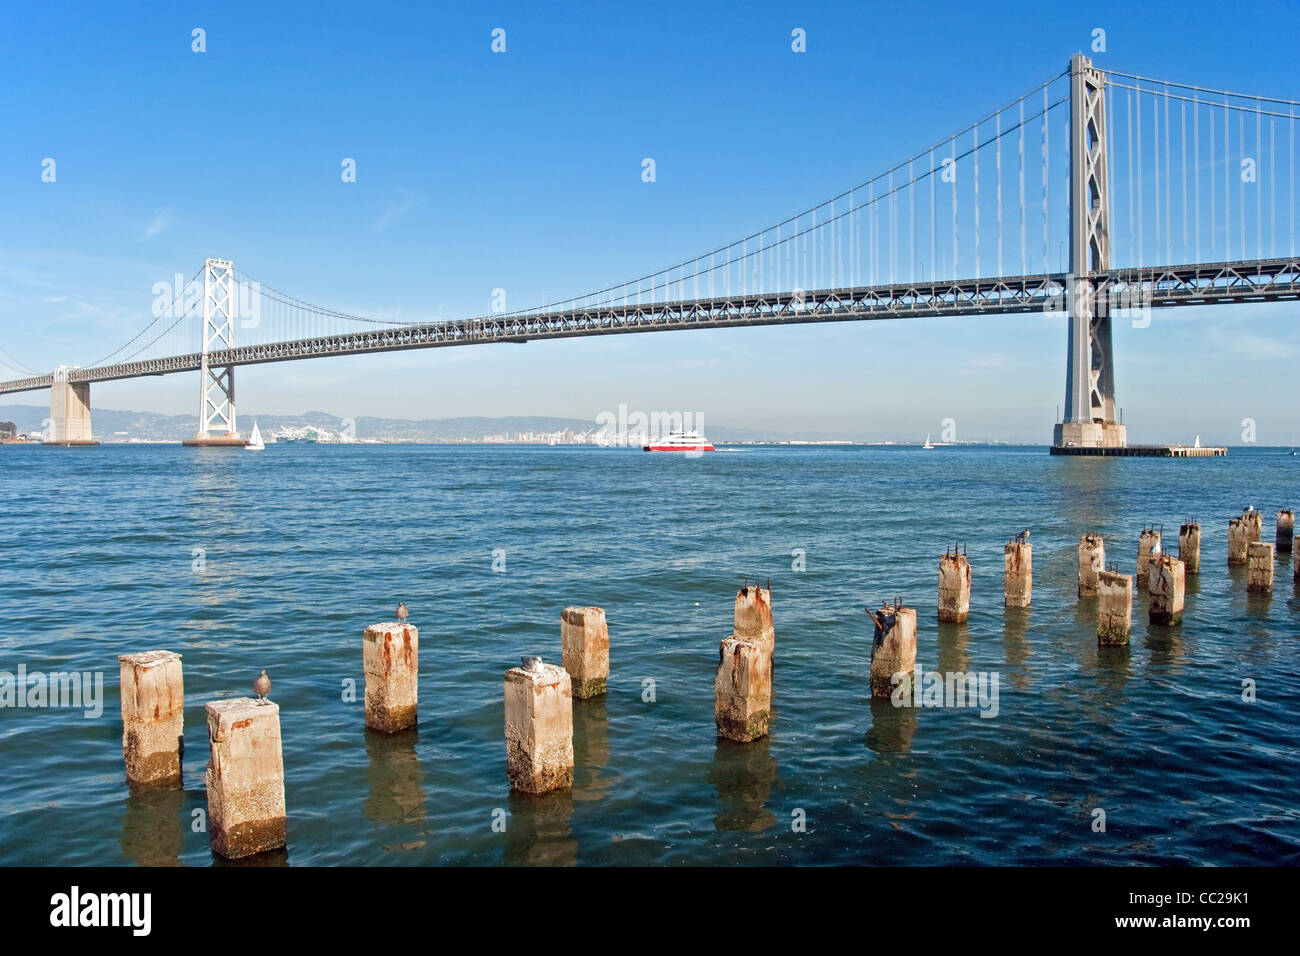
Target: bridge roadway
x: 1260, y: 280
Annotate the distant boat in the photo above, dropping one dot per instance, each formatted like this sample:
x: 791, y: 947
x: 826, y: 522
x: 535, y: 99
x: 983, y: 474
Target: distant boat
x: 680, y: 441
x: 255, y: 442
x: 1198, y: 442
x: 928, y: 444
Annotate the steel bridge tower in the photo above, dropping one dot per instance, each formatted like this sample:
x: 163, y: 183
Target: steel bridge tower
x: 1090, y: 419
x: 217, y: 384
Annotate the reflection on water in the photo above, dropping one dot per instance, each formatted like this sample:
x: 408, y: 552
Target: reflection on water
x: 952, y: 653
x: 892, y: 728
x: 270, y: 858
x: 539, y: 831
x: 1015, y: 644
x: 743, y: 776
x: 153, y: 826
x: 396, y: 790
x: 591, y: 749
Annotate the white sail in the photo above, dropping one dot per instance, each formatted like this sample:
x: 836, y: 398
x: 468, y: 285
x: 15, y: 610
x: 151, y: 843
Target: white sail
x: 255, y: 440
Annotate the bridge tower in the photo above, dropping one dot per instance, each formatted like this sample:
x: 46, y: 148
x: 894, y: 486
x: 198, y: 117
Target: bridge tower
x: 1090, y: 419
x: 217, y: 384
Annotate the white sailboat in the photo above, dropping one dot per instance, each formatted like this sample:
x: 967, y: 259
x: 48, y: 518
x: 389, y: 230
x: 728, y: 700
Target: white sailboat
x: 255, y: 442
x: 928, y: 444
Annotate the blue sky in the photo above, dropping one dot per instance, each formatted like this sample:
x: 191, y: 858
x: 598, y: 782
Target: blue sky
x: 522, y: 171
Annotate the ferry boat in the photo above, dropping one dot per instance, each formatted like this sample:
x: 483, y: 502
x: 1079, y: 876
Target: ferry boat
x: 680, y: 441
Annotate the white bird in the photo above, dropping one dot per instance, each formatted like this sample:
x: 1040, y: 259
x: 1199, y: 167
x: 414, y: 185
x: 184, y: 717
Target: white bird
x: 1155, y: 549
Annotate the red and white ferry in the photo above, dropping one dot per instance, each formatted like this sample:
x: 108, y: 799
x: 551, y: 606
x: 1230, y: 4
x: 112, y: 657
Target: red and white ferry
x: 680, y: 441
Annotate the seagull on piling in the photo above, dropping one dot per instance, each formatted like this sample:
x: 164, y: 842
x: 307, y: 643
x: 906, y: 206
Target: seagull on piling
x: 401, y: 612
x: 531, y: 663
x: 262, y: 687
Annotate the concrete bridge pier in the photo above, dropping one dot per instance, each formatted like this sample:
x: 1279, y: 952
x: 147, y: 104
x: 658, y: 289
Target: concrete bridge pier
x: 69, y: 412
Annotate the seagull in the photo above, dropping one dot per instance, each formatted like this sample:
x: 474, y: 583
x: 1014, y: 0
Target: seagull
x: 1155, y: 549
x: 401, y: 612
x: 531, y: 663
x: 1248, y: 509
x: 262, y: 687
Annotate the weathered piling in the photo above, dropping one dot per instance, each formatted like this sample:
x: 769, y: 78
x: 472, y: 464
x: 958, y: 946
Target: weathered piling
x: 584, y: 643
x: 153, y: 717
x: 1237, y: 542
x: 1018, y: 573
x: 1259, y: 571
x: 954, y: 587
x: 742, y: 690
x: 1242, y: 532
x: 391, y: 656
x: 1148, y: 541
x: 752, y: 620
x: 245, y: 779
x: 895, y: 651
x: 1166, y: 583
x: 1189, y: 547
x: 1285, y: 529
x: 539, y: 728
x: 1092, y: 560
x: 1114, y: 608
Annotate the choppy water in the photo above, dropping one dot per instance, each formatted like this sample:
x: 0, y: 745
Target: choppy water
x: 306, y: 545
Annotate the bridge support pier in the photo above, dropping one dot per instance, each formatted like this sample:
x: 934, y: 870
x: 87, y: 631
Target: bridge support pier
x: 69, y: 412
x: 1090, y: 420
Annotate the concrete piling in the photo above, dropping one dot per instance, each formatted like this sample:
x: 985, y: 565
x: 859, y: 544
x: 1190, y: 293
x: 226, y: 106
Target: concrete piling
x: 1114, y: 608
x: 954, y: 587
x: 1147, y: 541
x: 896, y: 653
x: 391, y: 656
x: 1018, y: 573
x: 584, y: 642
x: 742, y: 685
x: 1189, y: 547
x: 153, y: 717
x: 539, y: 728
x: 1285, y: 529
x: 1241, y: 533
x: 1166, y: 583
x: 245, y: 779
x: 1259, y: 571
x: 752, y: 620
x: 1092, y: 560
x: 742, y: 690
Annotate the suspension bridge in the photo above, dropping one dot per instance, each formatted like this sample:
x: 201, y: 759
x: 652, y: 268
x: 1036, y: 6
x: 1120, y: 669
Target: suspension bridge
x: 1148, y: 194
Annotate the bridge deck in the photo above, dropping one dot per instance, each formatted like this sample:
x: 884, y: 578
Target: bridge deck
x: 1261, y: 280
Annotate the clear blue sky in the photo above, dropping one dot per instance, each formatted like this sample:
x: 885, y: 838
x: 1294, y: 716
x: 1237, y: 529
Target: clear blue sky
x: 523, y: 171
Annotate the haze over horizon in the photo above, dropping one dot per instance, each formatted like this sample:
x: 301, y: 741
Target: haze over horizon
x: 478, y: 171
